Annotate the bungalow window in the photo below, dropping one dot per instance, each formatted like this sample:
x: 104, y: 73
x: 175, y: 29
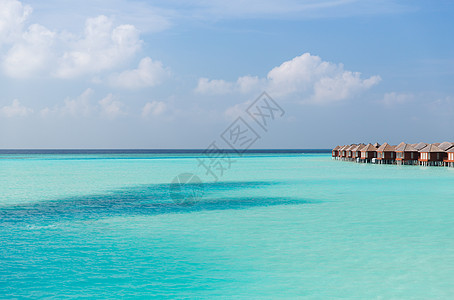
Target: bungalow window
x: 412, y: 155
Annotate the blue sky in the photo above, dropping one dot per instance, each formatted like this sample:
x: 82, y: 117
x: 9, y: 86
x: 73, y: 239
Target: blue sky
x: 173, y: 74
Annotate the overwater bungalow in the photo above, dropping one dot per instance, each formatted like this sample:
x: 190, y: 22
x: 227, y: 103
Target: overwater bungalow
x: 406, y: 154
x: 335, y: 152
x: 343, y: 152
x: 438, y: 154
x: 449, y: 161
x: 339, y: 152
x: 386, y: 154
x: 368, y: 152
x: 350, y: 152
x: 356, y: 152
x: 347, y: 148
x: 400, y: 145
x: 431, y: 155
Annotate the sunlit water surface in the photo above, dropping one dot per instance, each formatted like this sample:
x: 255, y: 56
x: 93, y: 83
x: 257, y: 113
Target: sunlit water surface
x: 273, y: 226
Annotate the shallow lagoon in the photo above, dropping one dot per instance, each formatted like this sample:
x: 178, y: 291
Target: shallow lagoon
x: 274, y: 226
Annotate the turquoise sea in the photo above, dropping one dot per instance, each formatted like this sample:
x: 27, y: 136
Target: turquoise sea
x: 274, y: 226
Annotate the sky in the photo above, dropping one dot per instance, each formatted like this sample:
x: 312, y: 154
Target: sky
x: 177, y: 74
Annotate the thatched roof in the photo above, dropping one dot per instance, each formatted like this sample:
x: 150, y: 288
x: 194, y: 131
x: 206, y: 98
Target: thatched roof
x: 368, y: 148
x: 344, y: 148
x: 352, y: 146
x: 386, y: 148
x: 376, y: 145
x: 445, y: 146
x: 431, y: 148
x: 402, y: 147
x: 358, y: 147
x: 420, y: 146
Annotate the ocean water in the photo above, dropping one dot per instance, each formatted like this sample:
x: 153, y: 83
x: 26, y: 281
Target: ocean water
x: 274, y: 226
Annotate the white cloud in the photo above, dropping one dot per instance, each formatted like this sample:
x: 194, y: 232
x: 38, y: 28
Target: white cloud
x: 312, y: 79
x: 80, y: 106
x: 244, y: 84
x: 248, y: 84
x: 148, y: 73
x: 27, y: 52
x: 111, y: 108
x: 30, y: 54
x: 16, y: 109
x: 236, y: 110
x: 393, y: 98
x: 213, y: 86
x: 154, y: 108
x: 306, y: 78
x: 12, y: 16
x: 342, y: 86
x: 102, y: 47
x: 84, y: 106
